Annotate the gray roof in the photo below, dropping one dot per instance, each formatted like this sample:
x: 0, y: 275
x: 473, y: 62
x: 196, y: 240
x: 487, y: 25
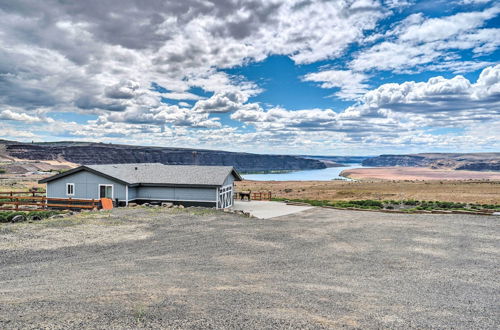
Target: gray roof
x: 156, y: 173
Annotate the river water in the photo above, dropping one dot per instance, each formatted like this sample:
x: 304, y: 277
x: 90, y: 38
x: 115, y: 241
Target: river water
x: 325, y: 174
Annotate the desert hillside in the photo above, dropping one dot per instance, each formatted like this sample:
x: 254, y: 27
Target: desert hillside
x: 455, y: 161
x: 100, y: 153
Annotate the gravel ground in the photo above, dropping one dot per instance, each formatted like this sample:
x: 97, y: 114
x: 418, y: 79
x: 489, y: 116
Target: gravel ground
x: 320, y: 268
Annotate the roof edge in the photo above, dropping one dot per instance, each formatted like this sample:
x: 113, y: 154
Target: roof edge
x: 78, y: 169
x: 236, y: 175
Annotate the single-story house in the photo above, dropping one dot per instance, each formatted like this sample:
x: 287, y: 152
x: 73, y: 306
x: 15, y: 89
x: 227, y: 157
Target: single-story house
x: 147, y: 182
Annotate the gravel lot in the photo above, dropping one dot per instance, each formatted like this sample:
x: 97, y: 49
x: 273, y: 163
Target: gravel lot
x: 321, y: 268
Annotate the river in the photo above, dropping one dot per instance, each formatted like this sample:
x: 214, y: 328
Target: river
x: 325, y: 174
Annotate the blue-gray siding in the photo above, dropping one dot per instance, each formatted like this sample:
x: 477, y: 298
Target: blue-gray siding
x: 229, y: 180
x: 86, y: 186
x: 177, y: 193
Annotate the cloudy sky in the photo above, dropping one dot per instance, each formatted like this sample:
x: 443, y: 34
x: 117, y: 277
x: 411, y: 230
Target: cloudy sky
x: 329, y: 77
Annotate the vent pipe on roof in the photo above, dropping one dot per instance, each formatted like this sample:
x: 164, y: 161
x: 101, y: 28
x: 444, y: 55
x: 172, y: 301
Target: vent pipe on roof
x: 136, y: 168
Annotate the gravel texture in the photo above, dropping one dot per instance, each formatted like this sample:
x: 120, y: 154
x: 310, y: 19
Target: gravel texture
x: 193, y: 268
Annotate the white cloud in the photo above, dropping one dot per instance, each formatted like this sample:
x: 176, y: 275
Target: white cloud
x: 417, y: 41
x: 24, y: 117
x: 351, y: 84
x: 224, y: 102
x: 393, y: 110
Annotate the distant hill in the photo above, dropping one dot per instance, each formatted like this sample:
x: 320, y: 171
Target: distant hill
x: 340, y: 159
x: 100, y: 153
x: 457, y: 161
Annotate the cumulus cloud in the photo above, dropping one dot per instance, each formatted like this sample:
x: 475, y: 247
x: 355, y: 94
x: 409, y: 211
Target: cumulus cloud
x: 123, y: 61
x: 417, y: 41
x: 94, y: 55
x: 351, y: 84
x: 24, y: 117
x: 395, y: 108
x: 224, y: 102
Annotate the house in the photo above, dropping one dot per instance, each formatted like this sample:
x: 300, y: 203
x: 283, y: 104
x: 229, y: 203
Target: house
x: 181, y: 184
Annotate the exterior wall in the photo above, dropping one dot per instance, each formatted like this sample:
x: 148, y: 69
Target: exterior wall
x: 132, y: 193
x: 86, y: 186
x: 229, y: 180
x: 176, y: 193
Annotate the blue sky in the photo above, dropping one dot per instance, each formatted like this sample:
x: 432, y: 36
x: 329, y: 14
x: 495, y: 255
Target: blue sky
x: 358, y: 77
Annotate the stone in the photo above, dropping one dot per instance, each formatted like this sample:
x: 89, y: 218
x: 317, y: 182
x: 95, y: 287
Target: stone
x: 36, y: 218
x: 18, y: 218
x: 57, y: 216
x: 495, y: 213
x: 167, y: 204
x: 181, y: 206
x: 146, y: 204
x: 132, y: 204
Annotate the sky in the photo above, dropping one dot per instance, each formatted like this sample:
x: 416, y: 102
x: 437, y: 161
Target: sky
x: 317, y: 77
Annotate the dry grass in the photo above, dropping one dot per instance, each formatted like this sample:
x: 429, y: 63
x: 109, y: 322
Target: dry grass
x: 481, y: 192
x: 17, y: 182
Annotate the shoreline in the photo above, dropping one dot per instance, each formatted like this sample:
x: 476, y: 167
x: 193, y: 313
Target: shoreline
x: 417, y: 174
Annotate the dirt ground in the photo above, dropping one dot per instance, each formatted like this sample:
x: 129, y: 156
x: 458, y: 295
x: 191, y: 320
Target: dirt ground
x: 482, y: 192
x: 417, y: 173
x: 198, y: 268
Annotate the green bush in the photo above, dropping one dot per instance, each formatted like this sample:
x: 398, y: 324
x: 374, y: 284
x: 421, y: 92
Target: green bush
x: 6, y: 216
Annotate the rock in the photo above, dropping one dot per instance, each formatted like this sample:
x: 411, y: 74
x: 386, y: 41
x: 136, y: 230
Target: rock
x: 181, y: 206
x: 146, y: 204
x: 167, y: 204
x: 132, y: 204
x: 57, y: 216
x: 495, y: 213
x: 36, y: 218
x: 18, y: 218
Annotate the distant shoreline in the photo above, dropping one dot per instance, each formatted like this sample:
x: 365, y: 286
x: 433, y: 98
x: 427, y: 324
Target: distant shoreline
x: 416, y: 173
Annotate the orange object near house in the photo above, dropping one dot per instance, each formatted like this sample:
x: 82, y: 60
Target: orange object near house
x: 107, y: 203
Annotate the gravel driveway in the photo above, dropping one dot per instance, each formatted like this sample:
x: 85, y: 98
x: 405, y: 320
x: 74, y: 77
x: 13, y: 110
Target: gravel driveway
x: 320, y: 268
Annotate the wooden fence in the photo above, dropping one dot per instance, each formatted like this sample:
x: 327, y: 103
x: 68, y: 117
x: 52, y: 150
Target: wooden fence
x: 254, y: 196
x: 32, y: 193
x: 40, y: 203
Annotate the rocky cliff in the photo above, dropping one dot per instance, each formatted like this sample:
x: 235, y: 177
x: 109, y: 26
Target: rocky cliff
x: 465, y: 161
x: 99, y: 153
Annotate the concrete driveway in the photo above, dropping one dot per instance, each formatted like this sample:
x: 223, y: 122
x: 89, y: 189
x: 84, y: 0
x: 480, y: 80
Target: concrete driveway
x: 267, y: 209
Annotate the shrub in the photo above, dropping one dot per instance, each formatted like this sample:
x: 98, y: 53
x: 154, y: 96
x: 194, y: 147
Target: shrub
x: 6, y: 216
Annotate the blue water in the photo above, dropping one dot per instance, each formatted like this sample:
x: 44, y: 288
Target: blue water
x: 325, y: 174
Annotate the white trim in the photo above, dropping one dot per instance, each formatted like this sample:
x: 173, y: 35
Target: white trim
x: 67, y: 185
x: 106, y: 185
x: 126, y: 195
x: 217, y: 197
x: 225, y: 197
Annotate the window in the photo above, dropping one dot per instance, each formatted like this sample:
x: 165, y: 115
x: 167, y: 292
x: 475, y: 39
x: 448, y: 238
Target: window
x: 70, y: 189
x: 106, y: 191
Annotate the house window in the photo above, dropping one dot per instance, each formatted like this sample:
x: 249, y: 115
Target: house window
x: 106, y: 191
x: 70, y: 189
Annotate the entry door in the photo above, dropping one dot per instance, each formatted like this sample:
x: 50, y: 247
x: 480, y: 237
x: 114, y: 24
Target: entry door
x: 105, y: 191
